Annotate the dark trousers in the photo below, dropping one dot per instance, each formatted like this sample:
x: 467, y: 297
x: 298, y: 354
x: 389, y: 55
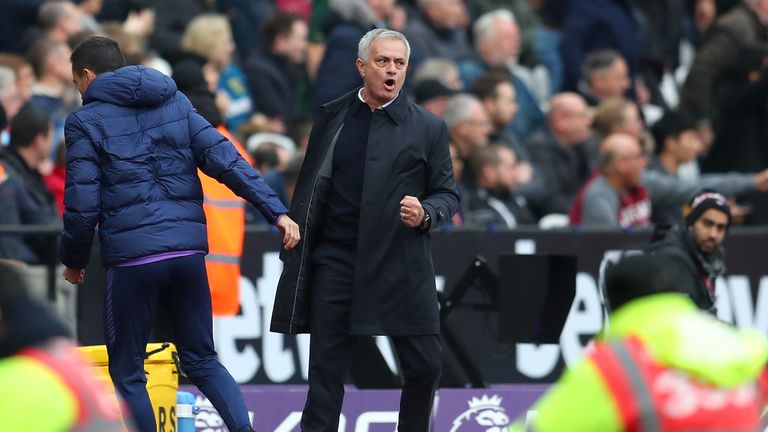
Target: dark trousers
x: 331, y: 346
x: 180, y: 287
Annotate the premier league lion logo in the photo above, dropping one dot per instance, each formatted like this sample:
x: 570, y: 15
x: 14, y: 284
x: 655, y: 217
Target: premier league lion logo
x: 485, y: 414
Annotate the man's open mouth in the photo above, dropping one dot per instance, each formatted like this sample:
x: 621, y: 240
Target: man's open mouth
x: 389, y: 84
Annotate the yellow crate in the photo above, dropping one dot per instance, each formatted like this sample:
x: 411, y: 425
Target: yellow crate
x: 162, y: 378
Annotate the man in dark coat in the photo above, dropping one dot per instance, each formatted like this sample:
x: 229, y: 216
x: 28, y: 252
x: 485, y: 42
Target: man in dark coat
x: 25, y: 198
x: 376, y: 179
x: 697, y: 244
x: 133, y: 151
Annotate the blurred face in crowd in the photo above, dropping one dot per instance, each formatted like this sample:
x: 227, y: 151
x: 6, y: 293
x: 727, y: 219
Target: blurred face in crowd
x: 294, y: 45
x: 628, y: 158
x: 709, y: 230
x: 59, y: 65
x: 25, y: 79
x: 631, y: 122
x: 382, y: 8
x: 503, y: 107
x: 446, y: 14
x: 685, y: 147
x: 384, y: 71
x: 505, y: 172
x: 475, y: 130
x: 70, y: 22
x: 570, y: 118
x: 11, y: 100
x: 611, y: 82
x: 502, y: 44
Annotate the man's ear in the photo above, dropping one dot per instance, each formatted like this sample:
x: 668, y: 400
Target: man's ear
x: 91, y: 75
x: 360, y: 64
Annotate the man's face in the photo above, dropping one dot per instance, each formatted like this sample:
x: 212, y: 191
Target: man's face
x: 11, y: 100
x: 70, y: 22
x: 59, y: 64
x: 573, y: 122
x: 709, y: 230
x: 445, y: 14
x: 506, y: 173
x: 503, y: 45
x: 81, y: 80
x: 503, y: 107
x: 630, y: 162
x: 631, y: 122
x: 612, y: 82
x: 686, y: 147
x: 44, y: 144
x: 384, y: 71
x: 476, y: 128
x: 295, y: 44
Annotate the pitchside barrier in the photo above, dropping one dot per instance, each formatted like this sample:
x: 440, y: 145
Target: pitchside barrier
x: 487, y: 351
x: 256, y: 356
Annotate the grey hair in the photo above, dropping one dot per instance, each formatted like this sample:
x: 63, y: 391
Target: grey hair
x: 459, y: 109
x: 364, y: 47
x: 434, y: 68
x: 7, y: 78
x: 483, y: 27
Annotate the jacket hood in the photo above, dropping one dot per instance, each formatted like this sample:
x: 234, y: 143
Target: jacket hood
x: 682, y: 337
x: 131, y: 86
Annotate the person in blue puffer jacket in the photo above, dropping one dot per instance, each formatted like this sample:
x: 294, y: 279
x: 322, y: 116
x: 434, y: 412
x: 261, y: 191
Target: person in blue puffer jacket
x: 133, y: 151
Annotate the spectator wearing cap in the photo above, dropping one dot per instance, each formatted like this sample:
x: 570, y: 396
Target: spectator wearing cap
x: 435, y: 81
x: 433, y: 95
x: 697, y: 244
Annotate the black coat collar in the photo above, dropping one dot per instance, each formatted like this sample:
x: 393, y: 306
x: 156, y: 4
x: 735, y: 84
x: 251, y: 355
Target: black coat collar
x: 396, y: 111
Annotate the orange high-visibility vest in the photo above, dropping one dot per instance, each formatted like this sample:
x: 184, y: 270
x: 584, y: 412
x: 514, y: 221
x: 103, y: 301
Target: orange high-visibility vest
x: 225, y: 215
x: 653, y: 397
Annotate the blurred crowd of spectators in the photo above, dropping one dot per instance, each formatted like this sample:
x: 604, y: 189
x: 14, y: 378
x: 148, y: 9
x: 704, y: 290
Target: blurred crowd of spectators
x: 593, y: 113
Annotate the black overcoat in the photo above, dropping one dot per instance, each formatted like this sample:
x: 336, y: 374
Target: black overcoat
x: 394, y: 283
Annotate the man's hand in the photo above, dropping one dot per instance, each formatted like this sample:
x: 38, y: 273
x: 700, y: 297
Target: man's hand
x: 761, y: 180
x: 290, y: 231
x: 74, y: 276
x: 411, y: 211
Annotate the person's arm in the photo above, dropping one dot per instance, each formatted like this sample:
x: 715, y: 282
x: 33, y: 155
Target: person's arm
x: 666, y: 190
x: 441, y: 201
x: 218, y: 158
x: 82, y: 196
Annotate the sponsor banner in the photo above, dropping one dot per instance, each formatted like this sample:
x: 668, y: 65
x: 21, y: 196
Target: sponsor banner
x: 256, y: 356
x: 278, y: 408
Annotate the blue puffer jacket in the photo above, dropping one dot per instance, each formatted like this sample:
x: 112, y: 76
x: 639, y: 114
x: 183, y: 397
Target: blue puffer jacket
x: 133, y: 151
